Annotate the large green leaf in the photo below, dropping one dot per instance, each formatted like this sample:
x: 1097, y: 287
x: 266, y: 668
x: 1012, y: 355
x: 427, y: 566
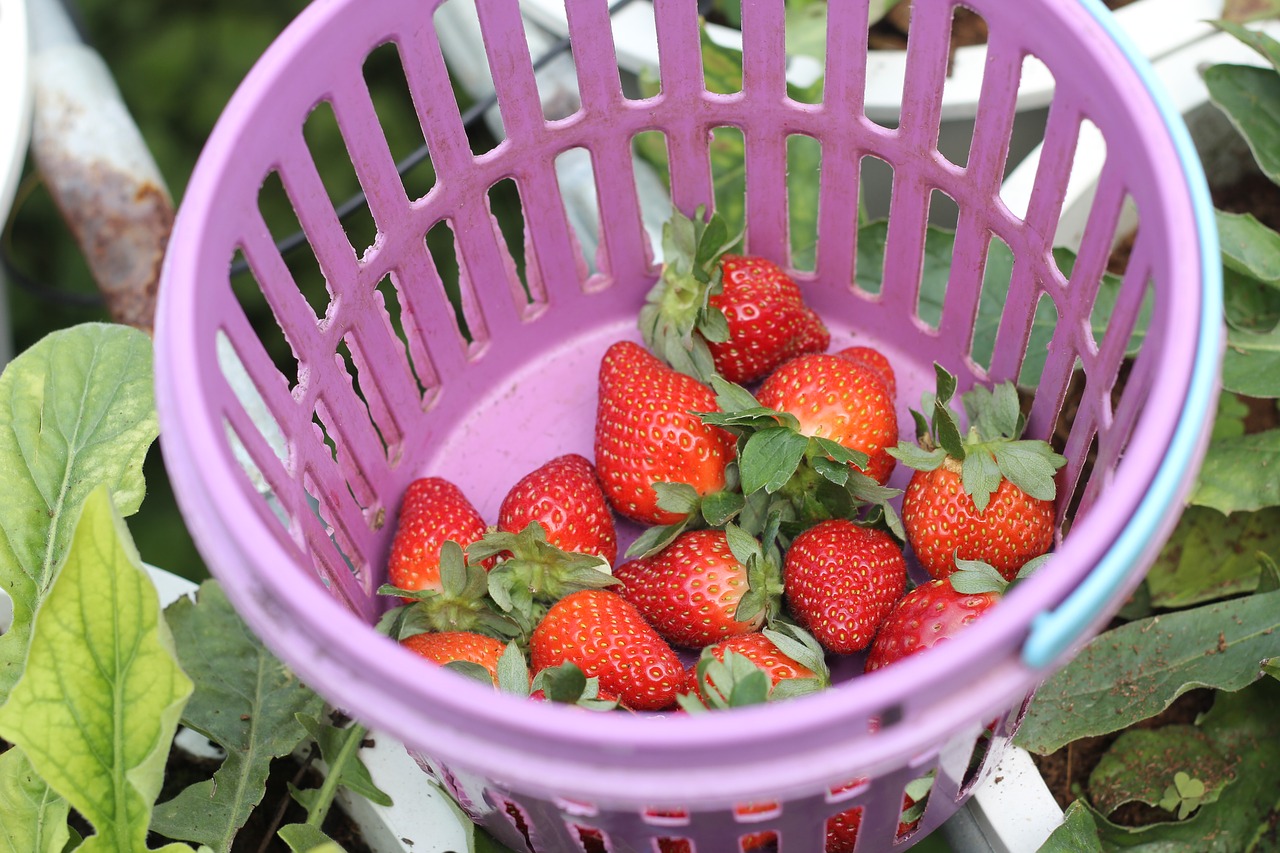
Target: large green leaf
x: 1250, y: 96
x: 1133, y: 672
x: 35, y: 818
x: 98, y: 705
x: 1249, y: 247
x: 1239, y: 474
x: 1077, y: 834
x: 1251, y: 363
x: 1243, y: 725
x: 1142, y: 764
x: 76, y: 410
x: 246, y: 701
x: 1210, y: 556
x: 1235, y: 12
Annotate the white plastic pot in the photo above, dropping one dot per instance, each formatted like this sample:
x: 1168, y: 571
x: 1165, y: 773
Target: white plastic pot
x: 1158, y: 27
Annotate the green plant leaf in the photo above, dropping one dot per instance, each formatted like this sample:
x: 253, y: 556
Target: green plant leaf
x: 769, y: 459
x: 1249, y: 304
x: 1238, y: 474
x: 98, y: 705
x: 1229, y: 420
x: 303, y: 838
x: 76, y: 410
x: 1142, y: 764
x: 1243, y: 725
x: 35, y: 817
x: 246, y: 701
x: 1078, y: 832
x: 1135, y: 671
x: 1251, y: 363
x: 353, y: 774
x: 1235, y: 12
x: 1245, y: 93
x: 1210, y: 556
x: 1249, y: 247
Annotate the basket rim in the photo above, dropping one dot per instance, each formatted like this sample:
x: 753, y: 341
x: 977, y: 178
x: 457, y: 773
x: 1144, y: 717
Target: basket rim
x: 469, y: 712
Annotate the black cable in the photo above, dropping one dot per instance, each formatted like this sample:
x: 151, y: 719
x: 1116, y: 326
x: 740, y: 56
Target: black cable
x: 472, y: 115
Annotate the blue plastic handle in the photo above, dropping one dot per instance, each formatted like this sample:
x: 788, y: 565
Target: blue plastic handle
x: 1052, y: 633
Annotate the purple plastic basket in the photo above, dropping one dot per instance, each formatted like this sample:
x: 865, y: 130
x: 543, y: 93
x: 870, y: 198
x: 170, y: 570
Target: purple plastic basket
x: 290, y: 483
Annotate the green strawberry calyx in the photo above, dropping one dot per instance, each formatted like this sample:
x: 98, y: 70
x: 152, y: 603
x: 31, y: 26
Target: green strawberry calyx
x: 763, y: 561
x: 975, y: 577
x: 533, y: 574
x: 569, y: 685
x: 992, y: 450
x: 677, y: 319
x: 462, y: 603
x: 513, y: 671
x: 802, y: 478
x: 736, y: 681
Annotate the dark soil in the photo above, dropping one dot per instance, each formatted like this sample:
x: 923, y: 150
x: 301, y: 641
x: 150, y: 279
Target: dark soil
x: 1066, y: 772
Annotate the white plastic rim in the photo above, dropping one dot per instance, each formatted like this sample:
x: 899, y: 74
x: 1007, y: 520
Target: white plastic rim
x: 1158, y: 27
x: 15, y: 98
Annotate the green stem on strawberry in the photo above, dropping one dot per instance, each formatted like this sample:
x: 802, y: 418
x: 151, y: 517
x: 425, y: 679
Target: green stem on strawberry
x: 677, y: 319
x: 533, y: 574
x: 461, y: 603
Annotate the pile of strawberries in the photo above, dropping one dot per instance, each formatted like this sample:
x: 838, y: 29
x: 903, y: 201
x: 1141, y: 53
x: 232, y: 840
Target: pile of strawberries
x: 756, y: 461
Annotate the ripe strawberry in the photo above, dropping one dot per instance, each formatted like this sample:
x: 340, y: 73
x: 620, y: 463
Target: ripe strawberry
x: 565, y: 497
x: 704, y: 586
x: 768, y: 320
x: 646, y: 434
x: 608, y: 639
x: 842, y: 580
x: 875, y: 360
x: 790, y: 660
x: 987, y: 495
x: 736, y: 315
x: 929, y: 614
x: 432, y: 512
x: 446, y: 647
x: 840, y: 399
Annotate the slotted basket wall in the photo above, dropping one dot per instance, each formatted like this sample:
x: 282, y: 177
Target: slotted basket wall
x: 290, y: 480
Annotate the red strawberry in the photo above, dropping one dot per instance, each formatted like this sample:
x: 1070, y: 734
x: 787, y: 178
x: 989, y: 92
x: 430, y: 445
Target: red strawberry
x: 840, y: 399
x: 986, y: 495
x: 607, y: 638
x: 768, y: 320
x: 842, y: 580
x: 942, y: 523
x: 692, y: 591
x: 928, y: 615
x: 565, y: 497
x: 736, y: 315
x: 448, y: 646
x: 799, y: 669
x: 433, y: 511
x: 646, y: 434
x: 875, y: 360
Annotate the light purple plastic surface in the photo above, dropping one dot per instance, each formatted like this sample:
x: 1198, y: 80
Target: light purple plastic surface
x: 485, y: 411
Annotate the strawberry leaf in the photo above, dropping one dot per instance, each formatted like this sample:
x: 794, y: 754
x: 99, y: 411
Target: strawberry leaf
x: 513, y: 672
x: 453, y: 569
x: 1031, y: 566
x: 917, y: 458
x: 734, y: 682
x: 838, y: 452
x: 769, y: 458
x: 718, y: 508
x: 946, y: 431
x: 974, y: 577
x: 835, y: 472
x: 654, y: 539
x: 945, y: 385
x: 980, y: 476
x: 713, y: 326
x: 923, y: 431
x: 995, y: 411
x: 1029, y: 465
x: 732, y: 397
x: 801, y: 646
x: 680, y: 498
x: 471, y: 670
x: 742, y: 544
